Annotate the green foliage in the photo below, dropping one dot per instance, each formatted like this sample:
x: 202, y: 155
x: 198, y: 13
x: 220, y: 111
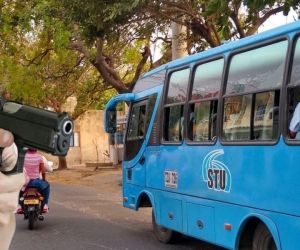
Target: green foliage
x: 217, y: 8
x: 92, y: 95
x: 99, y: 18
x: 38, y: 65
x: 22, y: 83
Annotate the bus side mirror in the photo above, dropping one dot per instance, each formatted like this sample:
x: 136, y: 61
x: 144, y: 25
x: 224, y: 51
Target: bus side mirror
x: 111, y: 121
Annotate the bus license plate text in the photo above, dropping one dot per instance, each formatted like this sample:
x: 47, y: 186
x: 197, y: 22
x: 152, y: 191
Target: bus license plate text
x: 171, y: 179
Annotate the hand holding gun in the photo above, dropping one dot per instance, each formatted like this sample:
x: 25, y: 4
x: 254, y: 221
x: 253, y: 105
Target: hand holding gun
x: 9, y: 189
x: 35, y: 128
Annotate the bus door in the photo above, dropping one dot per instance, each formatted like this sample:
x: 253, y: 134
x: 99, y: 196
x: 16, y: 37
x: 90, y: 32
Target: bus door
x: 137, y: 135
x: 136, y: 139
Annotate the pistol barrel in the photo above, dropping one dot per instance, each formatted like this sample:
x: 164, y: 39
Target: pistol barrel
x: 38, y: 128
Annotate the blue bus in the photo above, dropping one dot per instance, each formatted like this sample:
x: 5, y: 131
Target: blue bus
x: 207, y: 144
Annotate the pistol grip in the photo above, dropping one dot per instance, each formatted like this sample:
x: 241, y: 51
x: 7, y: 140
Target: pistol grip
x: 21, y: 157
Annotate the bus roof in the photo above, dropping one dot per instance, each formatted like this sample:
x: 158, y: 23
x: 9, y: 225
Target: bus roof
x: 282, y: 30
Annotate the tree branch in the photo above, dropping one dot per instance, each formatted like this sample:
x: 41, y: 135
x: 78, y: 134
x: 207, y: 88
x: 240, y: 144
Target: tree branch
x: 234, y: 17
x: 108, y: 74
x: 262, y: 19
x: 200, y: 29
x: 80, y: 47
x: 146, y: 53
x: 164, y: 39
x: 41, y: 56
x: 270, y: 13
x: 212, y: 30
x: 167, y: 56
x: 106, y: 61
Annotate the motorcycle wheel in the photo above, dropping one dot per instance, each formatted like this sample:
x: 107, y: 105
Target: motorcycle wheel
x: 31, y: 220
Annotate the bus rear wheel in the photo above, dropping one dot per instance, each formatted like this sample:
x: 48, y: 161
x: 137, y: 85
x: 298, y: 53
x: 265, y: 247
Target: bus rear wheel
x: 163, y: 234
x: 263, y: 239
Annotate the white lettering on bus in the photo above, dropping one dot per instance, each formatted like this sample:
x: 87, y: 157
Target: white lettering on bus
x: 215, y: 173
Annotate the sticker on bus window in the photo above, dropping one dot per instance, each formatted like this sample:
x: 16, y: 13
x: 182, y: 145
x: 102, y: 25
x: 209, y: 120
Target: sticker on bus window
x: 215, y: 173
x: 171, y: 179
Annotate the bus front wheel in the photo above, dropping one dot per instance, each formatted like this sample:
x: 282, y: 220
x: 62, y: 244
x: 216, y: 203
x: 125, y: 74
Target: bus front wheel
x: 263, y: 239
x: 163, y: 234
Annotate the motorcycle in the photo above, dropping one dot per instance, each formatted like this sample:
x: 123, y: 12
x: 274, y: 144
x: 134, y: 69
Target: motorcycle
x: 31, y: 203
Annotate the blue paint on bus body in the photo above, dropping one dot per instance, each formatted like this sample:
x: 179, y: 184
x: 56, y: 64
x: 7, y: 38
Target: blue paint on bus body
x: 218, y: 183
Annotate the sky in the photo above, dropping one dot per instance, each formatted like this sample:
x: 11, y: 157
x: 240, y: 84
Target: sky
x: 278, y: 20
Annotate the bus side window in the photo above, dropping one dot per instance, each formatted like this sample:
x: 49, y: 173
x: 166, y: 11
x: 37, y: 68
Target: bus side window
x: 251, y: 99
x: 266, y: 112
x: 237, y: 113
x: 294, y: 113
x: 203, y: 120
x: 174, y: 116
x: 174, y: 106
x: 141, y: 124
x: 293, y: 98
x: 203, y: 103
x: 137, y: 125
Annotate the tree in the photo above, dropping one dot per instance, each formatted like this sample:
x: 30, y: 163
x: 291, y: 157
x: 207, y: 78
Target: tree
x: 37, y: 67
x: 102, y: 32
x: 105, y: 28
x: 212, y: 22
x: 105, y: 32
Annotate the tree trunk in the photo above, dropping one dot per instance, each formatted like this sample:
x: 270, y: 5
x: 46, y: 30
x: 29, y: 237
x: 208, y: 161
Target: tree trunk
x: 62, y: 162
x: 179, y: 41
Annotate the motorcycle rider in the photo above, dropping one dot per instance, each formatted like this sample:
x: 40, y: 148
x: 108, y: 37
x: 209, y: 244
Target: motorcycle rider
x: 47, y: 168
x: 34, y: 166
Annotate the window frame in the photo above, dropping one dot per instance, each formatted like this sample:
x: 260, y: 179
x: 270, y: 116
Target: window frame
x: 130, y: 154
x: 189, y: 102
x: 285, y: 126
x: 253, y: 102
x: 142, y: 84
x: 282, y: 88
x: 141, y: 102
x: 164, y: 105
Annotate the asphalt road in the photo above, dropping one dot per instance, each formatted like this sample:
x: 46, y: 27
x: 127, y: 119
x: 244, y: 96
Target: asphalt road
x: 82, y: 218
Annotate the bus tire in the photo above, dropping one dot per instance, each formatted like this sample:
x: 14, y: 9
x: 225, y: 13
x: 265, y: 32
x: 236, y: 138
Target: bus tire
x: 263, y: 239
x: 163, y: 234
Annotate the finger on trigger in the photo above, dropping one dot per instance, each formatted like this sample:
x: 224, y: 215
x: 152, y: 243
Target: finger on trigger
x: 6, y: 138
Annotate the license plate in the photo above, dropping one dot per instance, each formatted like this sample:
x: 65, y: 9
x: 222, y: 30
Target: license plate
x: 31, y: 202
x: 171, y: 179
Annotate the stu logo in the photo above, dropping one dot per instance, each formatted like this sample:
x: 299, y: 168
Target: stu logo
x: 215, y: 173
x: 216, y: 179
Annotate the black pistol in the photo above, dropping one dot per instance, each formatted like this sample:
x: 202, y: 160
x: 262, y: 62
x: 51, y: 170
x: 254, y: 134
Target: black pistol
x: 35, y: 128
